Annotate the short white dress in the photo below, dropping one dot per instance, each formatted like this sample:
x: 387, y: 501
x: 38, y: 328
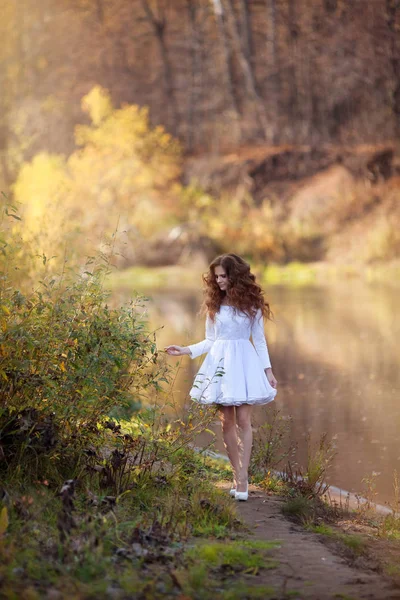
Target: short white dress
x: 232, y: 373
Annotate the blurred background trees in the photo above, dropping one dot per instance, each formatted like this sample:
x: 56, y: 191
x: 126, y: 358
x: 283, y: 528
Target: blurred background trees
x: 215, y: 73
x: 223, y: 78
x: 119, y: 176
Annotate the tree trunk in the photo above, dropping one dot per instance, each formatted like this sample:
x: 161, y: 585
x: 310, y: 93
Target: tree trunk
x: 158, y: 24
x: 245, y: 29
x: 272, y: 50
x: 293, y: 100
x: 195, y: 73
x: 100, y: 11
x: 393, y: 21
x: 229, y: 79
x: 251, y: 85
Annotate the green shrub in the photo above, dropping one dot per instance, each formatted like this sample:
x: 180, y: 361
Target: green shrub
x: 68, y: 363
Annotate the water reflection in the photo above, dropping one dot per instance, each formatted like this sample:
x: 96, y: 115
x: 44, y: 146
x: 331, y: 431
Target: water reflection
x: 339, y: 348
x: 335, y: 354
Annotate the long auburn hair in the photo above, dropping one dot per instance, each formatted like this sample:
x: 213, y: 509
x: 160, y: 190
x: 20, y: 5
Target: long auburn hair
x: 243, y: 292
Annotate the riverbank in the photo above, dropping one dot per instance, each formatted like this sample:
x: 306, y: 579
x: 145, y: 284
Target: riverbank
x: 165, y: 538
x: 321, y: 561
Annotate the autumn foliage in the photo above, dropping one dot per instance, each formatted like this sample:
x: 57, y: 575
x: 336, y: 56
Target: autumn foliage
x: 117, y: 180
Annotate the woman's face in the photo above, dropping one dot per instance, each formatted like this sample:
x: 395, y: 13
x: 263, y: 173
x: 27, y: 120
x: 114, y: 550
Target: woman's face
x: 221, y: 277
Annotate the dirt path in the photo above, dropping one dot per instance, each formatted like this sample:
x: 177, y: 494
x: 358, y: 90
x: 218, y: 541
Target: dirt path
x: 307, y: 565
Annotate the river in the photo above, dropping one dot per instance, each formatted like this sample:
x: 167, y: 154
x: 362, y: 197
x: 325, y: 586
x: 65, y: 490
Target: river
x: 335, y: 354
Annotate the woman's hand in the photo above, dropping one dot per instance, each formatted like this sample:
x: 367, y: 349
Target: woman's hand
x: 177, y: 350
x: 271, y: 378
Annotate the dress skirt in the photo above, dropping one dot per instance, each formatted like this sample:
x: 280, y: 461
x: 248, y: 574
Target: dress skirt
x: 231, y: 374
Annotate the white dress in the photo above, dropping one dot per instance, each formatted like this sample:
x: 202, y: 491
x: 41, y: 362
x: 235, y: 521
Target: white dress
x: 232, y: 373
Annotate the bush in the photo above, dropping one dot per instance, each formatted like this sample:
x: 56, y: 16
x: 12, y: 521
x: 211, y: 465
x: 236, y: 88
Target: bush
x: 68, y: 363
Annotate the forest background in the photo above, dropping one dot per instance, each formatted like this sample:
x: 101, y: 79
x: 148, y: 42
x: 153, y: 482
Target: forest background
x: 161, y: 117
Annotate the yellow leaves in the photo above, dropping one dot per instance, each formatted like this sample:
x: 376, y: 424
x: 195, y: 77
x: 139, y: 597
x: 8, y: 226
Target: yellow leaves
x: 98, y: 104
x: 5, y: 309
x: 122, y: 171
x: 3, y: 521
x: 62, y: 367
x: 39, y: 184
x: 83, y: 135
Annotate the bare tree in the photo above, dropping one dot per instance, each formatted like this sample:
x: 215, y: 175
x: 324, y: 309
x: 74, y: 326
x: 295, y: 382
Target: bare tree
x: 280, y: 70
x: 227, y: 54
x: 293, y: 30
x: 194, y: 42
x: 245, y: 29
x: 158, y: 20
x: 100, y: 10
x: 272, y: 50
x: 393, y: 22
x: 251, y: 85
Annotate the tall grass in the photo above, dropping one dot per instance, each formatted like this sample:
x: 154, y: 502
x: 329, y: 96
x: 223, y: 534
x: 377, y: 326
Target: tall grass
x: 271, y: 446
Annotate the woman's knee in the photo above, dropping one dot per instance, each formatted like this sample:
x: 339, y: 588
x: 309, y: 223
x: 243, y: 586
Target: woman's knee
x: 227, y: 418
x: 243, y: 419
x: 228, y: 424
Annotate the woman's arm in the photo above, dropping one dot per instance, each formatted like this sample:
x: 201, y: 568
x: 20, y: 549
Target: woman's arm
x: 196, y: 350
x: 259, y: 341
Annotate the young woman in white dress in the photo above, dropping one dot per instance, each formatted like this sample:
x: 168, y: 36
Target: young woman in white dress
x: 235, y: 375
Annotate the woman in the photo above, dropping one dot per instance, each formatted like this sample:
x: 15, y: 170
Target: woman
x: 235, y: 375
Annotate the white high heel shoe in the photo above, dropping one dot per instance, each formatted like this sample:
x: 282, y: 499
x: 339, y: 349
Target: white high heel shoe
x: 242, y: 495
x: 232, y: 491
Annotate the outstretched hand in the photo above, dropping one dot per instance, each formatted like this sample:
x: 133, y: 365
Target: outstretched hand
x: 176, y: 350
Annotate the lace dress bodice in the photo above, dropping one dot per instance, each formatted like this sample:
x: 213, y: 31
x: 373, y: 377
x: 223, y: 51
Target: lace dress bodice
x: 232, y: 325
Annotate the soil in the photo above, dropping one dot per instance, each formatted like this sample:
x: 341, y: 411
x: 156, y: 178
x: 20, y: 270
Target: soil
x: 313, y: 565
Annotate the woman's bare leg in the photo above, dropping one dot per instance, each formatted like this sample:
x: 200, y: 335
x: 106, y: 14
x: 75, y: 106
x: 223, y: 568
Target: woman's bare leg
x: 243, y: 419
x: 229, y: 434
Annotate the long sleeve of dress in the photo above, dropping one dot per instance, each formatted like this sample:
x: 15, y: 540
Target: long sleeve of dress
x: 259, y: 341
x: 205, y: 345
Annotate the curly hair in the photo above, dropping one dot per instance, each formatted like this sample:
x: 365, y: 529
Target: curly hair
x: 243, y: 292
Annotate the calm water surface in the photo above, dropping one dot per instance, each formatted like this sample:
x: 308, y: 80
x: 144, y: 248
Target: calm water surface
x: 335, y: 353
